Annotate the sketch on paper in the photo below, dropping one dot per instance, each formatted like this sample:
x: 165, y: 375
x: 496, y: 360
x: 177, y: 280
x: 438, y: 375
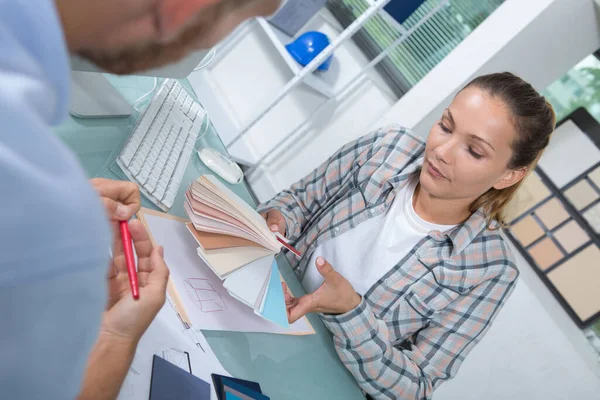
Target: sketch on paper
x: 179, y: 358
x: 204, y: 295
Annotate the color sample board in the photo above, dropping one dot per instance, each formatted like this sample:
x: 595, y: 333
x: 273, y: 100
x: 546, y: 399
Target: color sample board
x: 555, y: 218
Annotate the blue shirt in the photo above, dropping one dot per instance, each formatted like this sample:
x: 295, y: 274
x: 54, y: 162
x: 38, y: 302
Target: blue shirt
x: 54, y: 237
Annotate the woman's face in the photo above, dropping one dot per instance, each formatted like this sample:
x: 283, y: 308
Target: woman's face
x: 468, y: 150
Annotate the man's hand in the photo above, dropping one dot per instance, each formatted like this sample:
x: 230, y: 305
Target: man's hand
x: 125, y: 317
x: 275, y: 221
x: 335, y: 296
x: 121, y: 198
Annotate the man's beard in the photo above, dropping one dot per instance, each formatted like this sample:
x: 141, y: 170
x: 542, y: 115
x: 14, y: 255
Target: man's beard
x: 209, y: 26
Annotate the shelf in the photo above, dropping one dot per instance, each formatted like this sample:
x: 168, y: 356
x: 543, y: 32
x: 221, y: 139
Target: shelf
x: 279, y: 40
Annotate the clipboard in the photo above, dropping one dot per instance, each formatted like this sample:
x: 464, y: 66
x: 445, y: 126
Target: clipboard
x: 171, y: 289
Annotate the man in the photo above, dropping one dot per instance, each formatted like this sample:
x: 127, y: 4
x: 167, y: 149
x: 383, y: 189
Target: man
x: 63, y: 333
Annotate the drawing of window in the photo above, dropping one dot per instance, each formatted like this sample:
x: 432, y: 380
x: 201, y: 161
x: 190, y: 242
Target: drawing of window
x: 204, y: 295
x: 179, y: 358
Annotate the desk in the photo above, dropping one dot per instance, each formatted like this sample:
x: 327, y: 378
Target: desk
x: 287, y: 367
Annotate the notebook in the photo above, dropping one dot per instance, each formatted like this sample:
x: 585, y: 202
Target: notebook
x: 171, y: 382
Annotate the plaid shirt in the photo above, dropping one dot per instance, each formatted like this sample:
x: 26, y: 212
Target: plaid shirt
x: 416, y: 325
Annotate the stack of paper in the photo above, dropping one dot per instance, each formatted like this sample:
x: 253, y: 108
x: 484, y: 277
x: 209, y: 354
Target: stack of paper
x: 235, y: 242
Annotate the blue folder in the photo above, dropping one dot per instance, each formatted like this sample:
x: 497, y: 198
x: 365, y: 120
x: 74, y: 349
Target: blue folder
x: 171, y: 382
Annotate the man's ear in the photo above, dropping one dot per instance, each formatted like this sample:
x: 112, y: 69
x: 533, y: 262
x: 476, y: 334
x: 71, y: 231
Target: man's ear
x: 511, y: 177
x: 173, y: 15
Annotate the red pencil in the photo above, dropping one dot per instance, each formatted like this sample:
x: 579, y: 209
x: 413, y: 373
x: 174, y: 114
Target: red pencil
x: 288, y: 246
x: 129, y: 259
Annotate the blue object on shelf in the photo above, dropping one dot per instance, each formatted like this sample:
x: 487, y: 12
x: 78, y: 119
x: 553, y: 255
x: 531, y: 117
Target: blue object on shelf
x: 307, y: 46
x: 400, y: 10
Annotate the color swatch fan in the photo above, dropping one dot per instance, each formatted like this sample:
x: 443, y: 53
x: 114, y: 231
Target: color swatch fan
x: 236, y: 243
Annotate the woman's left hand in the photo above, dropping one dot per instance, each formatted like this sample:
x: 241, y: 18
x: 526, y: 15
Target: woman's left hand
x: 335, y: 296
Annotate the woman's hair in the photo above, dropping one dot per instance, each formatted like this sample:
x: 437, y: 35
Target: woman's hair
x: 533, y: 119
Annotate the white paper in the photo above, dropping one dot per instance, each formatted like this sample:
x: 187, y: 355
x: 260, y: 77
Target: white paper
x: 167, y: 338
x: 207, y: 303
x: 570, y: 153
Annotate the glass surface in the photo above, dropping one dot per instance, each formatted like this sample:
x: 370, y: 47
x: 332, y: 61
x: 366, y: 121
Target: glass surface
x: 287, y: 367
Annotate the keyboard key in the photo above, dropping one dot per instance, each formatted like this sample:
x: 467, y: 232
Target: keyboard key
x: 151, y: 184
x: 127, y: 155
x: 160, y: 190
x: 195, y: 110
x: 169, y: 199
x: 186, y: 106
x: 135, y: 168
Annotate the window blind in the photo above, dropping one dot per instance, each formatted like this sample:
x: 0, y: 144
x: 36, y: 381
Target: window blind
x: 410, y: 61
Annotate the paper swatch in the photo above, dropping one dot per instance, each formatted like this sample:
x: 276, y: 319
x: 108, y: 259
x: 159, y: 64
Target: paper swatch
x: 274, y: 308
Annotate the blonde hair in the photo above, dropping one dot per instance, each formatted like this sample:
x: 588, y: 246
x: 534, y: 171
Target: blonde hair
x: 534, y: 120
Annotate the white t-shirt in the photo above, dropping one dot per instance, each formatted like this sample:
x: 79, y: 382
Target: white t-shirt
x: 366, y: 253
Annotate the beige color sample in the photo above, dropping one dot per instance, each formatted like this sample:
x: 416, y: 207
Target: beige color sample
x: 577, y: 281
x: 531, y: 192
x: 545, y: 253
x: 593, y: 217
x: 571, y: 236
x: 595, y: 176
x: 581, y: 195
x: 527, y: 230
x: 552, y: 213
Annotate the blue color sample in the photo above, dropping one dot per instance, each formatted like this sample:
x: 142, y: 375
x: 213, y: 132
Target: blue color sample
x: 274, y: 309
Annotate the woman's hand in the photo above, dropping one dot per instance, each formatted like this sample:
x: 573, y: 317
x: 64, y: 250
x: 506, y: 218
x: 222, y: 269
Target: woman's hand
x: 121, y: 198
x: 335, y: 296
x: 125, y: 317
x: 275, y: 220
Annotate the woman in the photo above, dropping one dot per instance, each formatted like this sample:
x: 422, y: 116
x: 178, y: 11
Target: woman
x: 401, y: 242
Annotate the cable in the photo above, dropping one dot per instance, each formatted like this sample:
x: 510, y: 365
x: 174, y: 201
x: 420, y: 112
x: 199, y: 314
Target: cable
x: 142, y: 98
x: 212, y: 53
x: 203, y: 64
x: 206, y: 125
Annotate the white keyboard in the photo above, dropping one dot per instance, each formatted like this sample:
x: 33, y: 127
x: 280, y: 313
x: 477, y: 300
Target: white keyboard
x: 158, y: 151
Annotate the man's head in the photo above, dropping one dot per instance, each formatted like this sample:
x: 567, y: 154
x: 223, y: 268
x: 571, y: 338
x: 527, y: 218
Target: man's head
x: 134, y: 35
